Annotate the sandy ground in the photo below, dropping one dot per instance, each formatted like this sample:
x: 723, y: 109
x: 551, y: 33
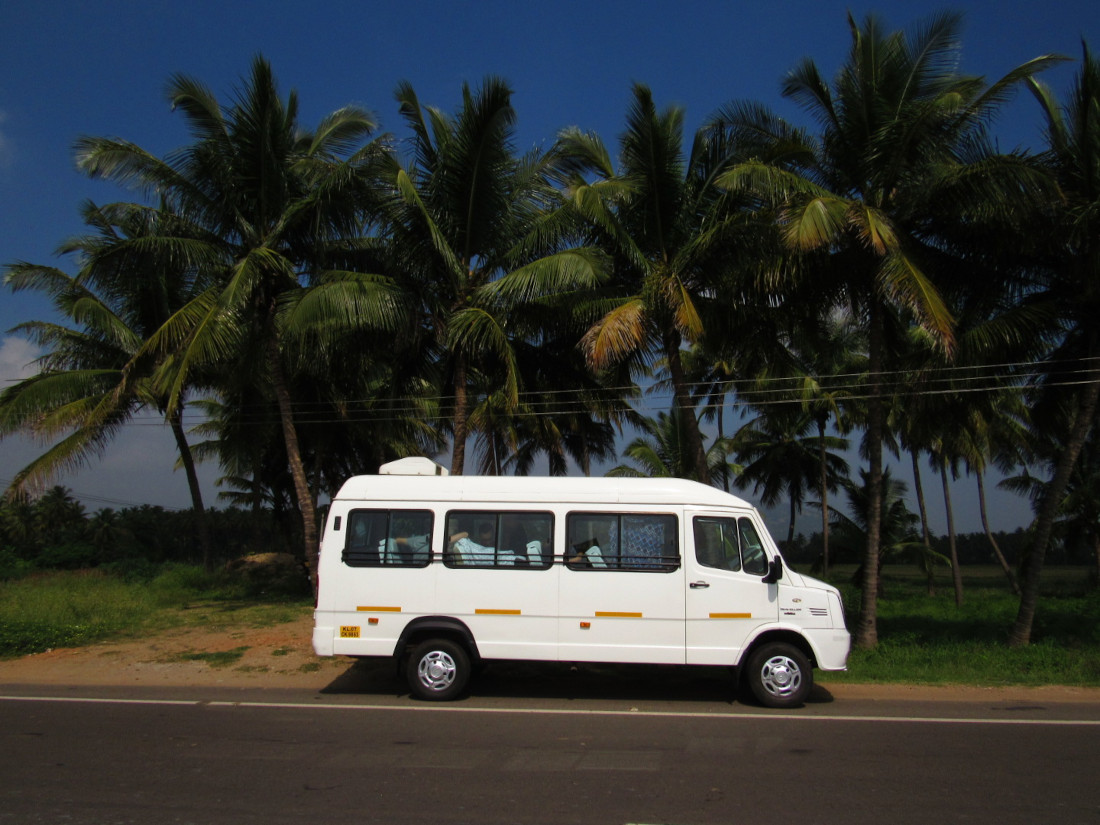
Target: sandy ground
x: 278, y: 656
x: 282, y: 657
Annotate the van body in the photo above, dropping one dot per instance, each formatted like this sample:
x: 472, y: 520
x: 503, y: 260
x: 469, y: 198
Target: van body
x: 442, y: 572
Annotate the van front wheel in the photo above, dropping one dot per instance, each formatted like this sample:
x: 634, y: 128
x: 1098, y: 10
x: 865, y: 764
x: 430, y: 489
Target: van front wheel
x: 438, y: 670
x: 779, y: 675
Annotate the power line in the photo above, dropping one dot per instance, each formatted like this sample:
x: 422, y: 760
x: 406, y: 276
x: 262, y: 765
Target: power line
x: 748, y: 392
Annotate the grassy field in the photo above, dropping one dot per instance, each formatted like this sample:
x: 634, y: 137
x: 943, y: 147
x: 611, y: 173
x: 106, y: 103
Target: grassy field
x: 923, y: 639
x: 929, y: 640
x: 69, y: 609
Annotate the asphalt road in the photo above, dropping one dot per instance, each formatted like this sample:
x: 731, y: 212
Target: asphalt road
x: 670, y: 753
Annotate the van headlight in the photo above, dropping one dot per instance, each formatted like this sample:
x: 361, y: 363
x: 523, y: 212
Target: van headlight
x: 836, y: 609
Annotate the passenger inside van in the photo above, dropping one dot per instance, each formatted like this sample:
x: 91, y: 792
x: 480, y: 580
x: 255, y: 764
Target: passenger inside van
x: 480, y: 552
x: 588, y: 553
x: 408, y: 549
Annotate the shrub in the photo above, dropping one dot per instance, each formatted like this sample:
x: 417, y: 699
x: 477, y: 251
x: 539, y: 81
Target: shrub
x: 12, y: 566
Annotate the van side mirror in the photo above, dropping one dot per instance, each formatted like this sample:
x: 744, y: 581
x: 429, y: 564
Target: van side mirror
x: 775, y: 571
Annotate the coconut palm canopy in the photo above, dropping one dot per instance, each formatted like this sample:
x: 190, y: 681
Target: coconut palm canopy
x: 332, y: 295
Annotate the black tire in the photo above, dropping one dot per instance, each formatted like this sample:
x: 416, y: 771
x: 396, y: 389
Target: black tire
x: 438, y: 670
x: 779, y: 675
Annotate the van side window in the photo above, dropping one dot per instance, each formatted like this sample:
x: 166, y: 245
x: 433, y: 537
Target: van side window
x: 499, y: 539
x: 716, y: 543
x: 753, y: 557
x: 729, y: 544
x: 400, y: 538
x: 622, y: 541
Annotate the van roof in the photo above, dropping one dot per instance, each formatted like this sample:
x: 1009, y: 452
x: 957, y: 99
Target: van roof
x: 536, y: 489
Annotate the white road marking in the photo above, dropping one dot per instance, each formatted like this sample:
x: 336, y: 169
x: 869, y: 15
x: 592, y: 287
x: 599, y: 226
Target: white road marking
x: 800, y: 717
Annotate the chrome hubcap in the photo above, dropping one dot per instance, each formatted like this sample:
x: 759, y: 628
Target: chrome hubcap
x: 437, y: 670
x: 781, y: 676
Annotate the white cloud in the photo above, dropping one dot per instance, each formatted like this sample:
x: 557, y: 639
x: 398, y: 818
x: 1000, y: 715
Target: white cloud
x: 16, y: 359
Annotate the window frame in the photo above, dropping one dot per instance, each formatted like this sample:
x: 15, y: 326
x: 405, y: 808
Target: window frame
x: 614, y: 563
x: 390, y: 514
x: 501, y: 527
x: 737, y: 522
x: 732, y: 530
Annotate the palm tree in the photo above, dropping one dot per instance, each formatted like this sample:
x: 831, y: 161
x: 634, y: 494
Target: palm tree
x: 897, y: 527
x: 901, y: 151
x: 662, y: 452
x: 1002, y: 420
x: 670, y: 233
x: 1081, y: 506
x: 1068, y: 290
x: 1078, y: 518
x: 119, y: 298
x: 781, y: 460
x: 943, y: 455
x: 275, y: 199
x: 829, y: 358
x: 475, y: 237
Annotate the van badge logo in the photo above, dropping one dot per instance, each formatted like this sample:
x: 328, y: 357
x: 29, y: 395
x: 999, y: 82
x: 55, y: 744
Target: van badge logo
x: 797, y: 601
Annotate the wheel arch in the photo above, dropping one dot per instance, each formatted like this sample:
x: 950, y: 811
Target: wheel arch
x: 436, y: 627
x: 779, y: 634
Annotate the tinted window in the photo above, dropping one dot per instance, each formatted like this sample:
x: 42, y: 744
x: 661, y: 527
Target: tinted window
x: 753, y: 557
x: 729, y: 544
x: 716, y: 543
x: 622, y: 541
x: 400, y: 538
x: 499, y: 539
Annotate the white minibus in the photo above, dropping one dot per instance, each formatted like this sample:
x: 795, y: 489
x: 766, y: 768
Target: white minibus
x: 443, y: 572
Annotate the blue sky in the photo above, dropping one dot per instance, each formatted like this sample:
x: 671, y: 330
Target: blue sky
x: 73, y: 68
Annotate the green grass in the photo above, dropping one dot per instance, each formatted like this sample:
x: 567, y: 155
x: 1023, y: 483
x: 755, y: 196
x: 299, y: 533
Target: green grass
x: 68, y: 609
x: 922, y: 639
x: 929, y: 640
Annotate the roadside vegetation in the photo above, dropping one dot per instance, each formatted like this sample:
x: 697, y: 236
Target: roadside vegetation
x: 930, y: 640
x: 300, y: 302
x: 55, y: 609
x: 926, y: 640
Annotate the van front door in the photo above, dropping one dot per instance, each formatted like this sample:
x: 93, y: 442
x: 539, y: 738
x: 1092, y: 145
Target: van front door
x: 725, y: 598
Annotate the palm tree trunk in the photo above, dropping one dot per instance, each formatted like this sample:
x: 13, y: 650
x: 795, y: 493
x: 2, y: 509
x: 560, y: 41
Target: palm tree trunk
x: 866, y: 635
x: 790, y: 529
x: 1015, y: 585
x: 318, y: 476
x: 1020, y: 634
x: 824, y: 501
x: 257, y: 495
x: 915, y: 455
x: 956, y: 573
x: 919, y: 487
x: 302, y: 493
x: 1096, y: 555
x: 202, y: 526
x: 461, y: 427
x: 682, y: 400
x: 721, y: 438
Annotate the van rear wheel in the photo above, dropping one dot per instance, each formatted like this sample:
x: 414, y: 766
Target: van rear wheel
x: 438, y: 670
x: 779, y: 675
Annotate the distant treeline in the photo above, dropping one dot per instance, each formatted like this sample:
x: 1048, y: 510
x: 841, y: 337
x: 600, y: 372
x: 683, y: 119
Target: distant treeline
x: 54, y: 532
x: 973, y: 548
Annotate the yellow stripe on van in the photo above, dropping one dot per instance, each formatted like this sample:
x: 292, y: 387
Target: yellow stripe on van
x: 489, y: 611
x: 731, y: 615
x: 617, y: 614
x: 373, y: 608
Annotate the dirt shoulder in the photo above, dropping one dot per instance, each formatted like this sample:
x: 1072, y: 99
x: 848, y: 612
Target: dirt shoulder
x: 282, y: 657
x: 277, y: 656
